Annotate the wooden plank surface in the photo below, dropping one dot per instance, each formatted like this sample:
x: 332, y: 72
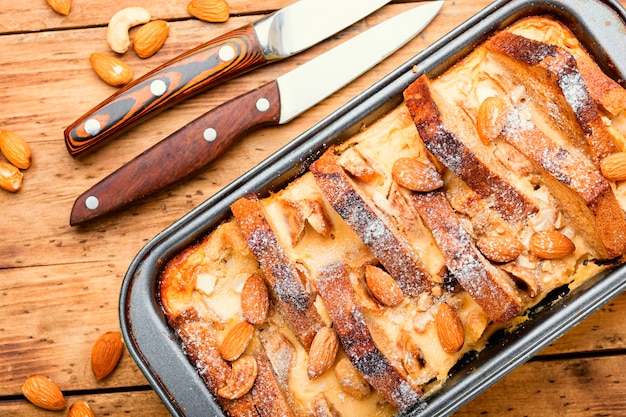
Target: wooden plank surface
x: 59, y: 286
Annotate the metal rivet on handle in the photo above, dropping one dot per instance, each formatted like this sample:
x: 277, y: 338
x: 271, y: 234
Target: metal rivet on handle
x: 209, y: 134
x: 226, y: 53
x: 92, y: 202
x: 262, y: 104
x: 92, y: 127
x: 158, y: 87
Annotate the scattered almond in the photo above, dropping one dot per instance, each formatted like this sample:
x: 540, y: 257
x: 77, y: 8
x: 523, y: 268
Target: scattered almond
x: 322, y: 352
x: 449, y: 329
x: 10, y: 177
x: 112, y: 70
x: 613, y: 167
x: 150, y: 38
x: 80, y: 409
x: 255, y: 302
x: 236, y: 341
x: 415, y: 175
x: 491, y: 119
x: 106, y: 353
x: 499, y: 248
x: 209, y: 10
x: 243, y: 374
x: 15, y: 149
x: 551, y: 244
x: 60, y: 6
x: 382, y: 286
x: 43, y: 392
x: 350, y: 380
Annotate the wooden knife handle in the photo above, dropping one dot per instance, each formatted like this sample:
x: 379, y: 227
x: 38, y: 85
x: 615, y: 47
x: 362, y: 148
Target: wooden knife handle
x: 181, y: 154
x: 198, y: 69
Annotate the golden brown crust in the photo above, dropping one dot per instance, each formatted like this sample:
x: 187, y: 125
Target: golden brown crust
x: 281, y: 274
x: 373, y: 227
x: 487, y: 285
x: 267, y: 392
x: 606, y: 93
x: 584, y: 193
x: 551, y: 76
x: 201, y: 347
x: 444, y: 134
x: 349, y: 323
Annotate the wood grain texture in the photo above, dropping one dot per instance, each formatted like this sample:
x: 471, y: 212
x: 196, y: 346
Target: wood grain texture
x: 59, y: 286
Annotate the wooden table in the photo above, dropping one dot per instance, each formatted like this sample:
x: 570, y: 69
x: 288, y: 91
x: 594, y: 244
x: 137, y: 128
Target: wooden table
x: 59, y: 286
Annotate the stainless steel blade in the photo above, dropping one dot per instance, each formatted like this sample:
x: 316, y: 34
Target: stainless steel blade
x: 310, y: 83
x: 307, y: 22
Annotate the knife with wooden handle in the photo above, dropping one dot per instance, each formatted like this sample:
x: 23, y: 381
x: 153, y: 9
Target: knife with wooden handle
x: 278, y: 36
x: 194, y: 146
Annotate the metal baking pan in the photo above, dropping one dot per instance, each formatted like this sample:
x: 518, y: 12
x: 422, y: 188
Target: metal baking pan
x: 599, y: 25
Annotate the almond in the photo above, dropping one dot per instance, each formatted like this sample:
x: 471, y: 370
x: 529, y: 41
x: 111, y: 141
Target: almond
x: 499, y: 248
x: 106, y: 353
x: 491, y: 119
x: 209, y: 10
x: 255, y: 301
x: 10, y: 177
x: 150, y: 38
x: 236, y: 341
x: 80, y: 409
x: 15, y: 149
x: 60, y: 6
x: 112, y: 70
x: 382, y: 286
x: 43, y: 392
x: 416, y: 175
x: 356, y: 164
x: 613, y: 167
x: 551, y: 244
x: 322, y: 352
x: 449, y: 329
x: 350, y: 380
x: 243, y: 374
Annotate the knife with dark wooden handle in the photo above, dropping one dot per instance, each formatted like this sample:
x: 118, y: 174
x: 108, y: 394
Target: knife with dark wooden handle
x: 278, y: 36
x: 194, y: 146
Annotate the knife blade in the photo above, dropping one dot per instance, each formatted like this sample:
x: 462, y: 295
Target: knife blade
x: 278, y: 36
x: 195, y: 145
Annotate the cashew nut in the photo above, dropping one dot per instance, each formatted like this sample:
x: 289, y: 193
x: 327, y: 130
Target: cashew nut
x: 120, y: 23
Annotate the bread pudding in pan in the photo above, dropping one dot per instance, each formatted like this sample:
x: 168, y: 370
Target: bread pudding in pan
x: 356, y: 288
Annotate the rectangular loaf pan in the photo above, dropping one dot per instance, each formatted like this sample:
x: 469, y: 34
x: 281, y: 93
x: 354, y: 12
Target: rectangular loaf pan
x: 598, y: 24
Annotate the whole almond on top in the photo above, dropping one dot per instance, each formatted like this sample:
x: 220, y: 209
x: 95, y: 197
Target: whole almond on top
x: 60, y: 6
x: 236, y: 340
x: 551, y: 244
x: 112, y: 70
x: 255, y: 301
x: 43, y: 392
x: 106, y: 353
x: 322, y: 352
x: 15, y: 149
x: 80, y: 409
x: 416, y: 175
x: 449, y: 329
x: 613, y: 167
x: 499, y: 248
x: 243, y: 374
x: 491, y: 119
x: 10, y: 177
x: 382, y: 286
x: 209, y: 10
x: 150, y: 38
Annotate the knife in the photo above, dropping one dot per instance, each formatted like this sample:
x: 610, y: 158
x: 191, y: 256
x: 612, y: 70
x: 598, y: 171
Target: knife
x: 280, y: 35
x: 195, y: 145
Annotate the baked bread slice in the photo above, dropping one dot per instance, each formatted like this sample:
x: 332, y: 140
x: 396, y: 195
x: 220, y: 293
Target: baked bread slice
x: 452, y: 137
x: 553, y: 82
x: 605, y: 92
